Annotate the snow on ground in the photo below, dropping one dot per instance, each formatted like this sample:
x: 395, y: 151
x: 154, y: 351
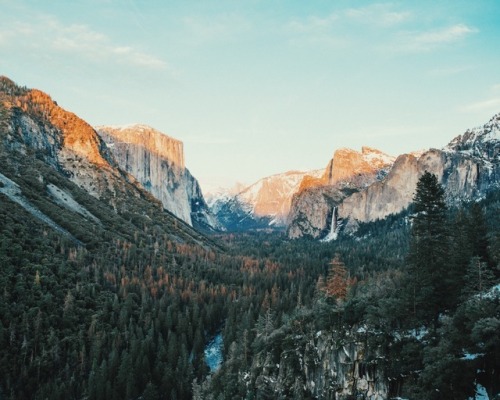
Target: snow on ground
x: 481, y: 393
x: 493, y: 293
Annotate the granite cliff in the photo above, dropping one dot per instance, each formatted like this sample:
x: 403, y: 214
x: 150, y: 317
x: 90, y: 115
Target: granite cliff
x: 157, y: 162
x: 264, y: 204
x: 34, y: 124
x: 314, y: 205
x: 468, y: 167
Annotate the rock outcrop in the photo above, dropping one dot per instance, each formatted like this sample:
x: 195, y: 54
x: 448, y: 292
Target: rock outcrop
x: 264, y: 204
x: 324, y: 365
x: 355, y: 168
x: 348, y: 172
x: 157, y: 162
x: 137, y: 160
x: 35, y: 123
x: 468, y: 168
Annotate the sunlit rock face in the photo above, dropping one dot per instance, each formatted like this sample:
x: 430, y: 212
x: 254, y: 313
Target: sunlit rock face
x: 78, y: 136
x: 157, y: 162
x: 137, y: 155
x: 36, y: 123
x: 266, y: 203
x: 468, y: 168
x: 352, y: 167
x: 348, y: 172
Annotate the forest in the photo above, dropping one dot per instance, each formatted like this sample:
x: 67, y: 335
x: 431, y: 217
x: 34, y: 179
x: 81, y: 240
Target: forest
x: 126, y: 310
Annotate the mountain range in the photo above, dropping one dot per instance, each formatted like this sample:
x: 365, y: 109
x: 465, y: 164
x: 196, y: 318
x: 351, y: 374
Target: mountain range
x: 113, y: 284
x: 363, y: 186
x: 468, y: 168
x: 41, y: 140
x: 355, y: 186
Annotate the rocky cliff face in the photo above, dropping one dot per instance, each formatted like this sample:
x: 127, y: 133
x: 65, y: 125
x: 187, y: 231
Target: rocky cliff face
x: 323, y: 365
x: 262, y: 204
x: 468, y: 168
x: 136, y: 159
x: 355, y: 168
x: 157, y: 162
x: 348, y: 172
x: 34, y: 123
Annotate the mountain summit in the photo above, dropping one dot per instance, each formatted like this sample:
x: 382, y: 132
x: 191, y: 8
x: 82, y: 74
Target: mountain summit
x: 157, y: 162
x: 468, y: 168
x: 266, y: 203
x: 111, y: 166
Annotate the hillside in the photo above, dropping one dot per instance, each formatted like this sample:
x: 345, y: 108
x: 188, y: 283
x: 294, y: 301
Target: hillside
x: 106, y: 295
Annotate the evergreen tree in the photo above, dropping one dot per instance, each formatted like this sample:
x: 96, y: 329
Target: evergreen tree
x: 429, y: 272
x: 479, y: 277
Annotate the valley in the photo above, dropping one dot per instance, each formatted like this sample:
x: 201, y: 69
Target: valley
x: 374, y: 278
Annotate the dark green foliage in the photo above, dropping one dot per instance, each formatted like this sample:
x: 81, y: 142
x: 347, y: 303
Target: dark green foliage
x: 122, y: 308
x: 430, y: 273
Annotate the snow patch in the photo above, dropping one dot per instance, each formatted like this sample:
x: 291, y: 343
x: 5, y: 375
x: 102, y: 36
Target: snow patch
x: 481, y: 393
x: 493, y: 293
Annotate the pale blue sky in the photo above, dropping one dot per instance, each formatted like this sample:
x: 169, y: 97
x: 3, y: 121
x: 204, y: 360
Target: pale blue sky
x: 255, y: 88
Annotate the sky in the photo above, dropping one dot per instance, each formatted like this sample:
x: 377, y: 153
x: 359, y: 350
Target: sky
x: 259, y: 87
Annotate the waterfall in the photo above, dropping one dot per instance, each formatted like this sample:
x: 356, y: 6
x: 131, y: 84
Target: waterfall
x: 334, y: 227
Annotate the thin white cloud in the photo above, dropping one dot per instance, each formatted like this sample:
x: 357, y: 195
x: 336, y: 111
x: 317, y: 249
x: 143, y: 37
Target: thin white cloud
x: 338, y: 28
x: 312, y: 23
x: 446, y: 35
x: 496, y: 87
x: 430, y: 40
x: 378, y: 14
x: 201, y: 29
x: 448, y: 71
x: 47, y: 33
x: 490, y: 105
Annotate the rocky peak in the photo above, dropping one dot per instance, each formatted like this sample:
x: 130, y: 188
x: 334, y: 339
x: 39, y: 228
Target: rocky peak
x: 77, y: 135
x: 482, y: 141
x: 348, y: 164
x: 468, y: 168
x: 157, y: 162
x: 264, y: 203
x: 138, y: 157
x: 153, y: 140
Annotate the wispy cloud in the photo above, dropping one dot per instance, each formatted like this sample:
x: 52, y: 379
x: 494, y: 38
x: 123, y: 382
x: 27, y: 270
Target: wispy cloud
x: 491, y: 105
x: 448, y: 71
x: 430, y: 40
x: 378, y: 14
x: 47, y: 33
x: 312, y: 23
x: 201, y: 29
x: 339, y: 27
x: 446, y: 35
x: 381, y: 15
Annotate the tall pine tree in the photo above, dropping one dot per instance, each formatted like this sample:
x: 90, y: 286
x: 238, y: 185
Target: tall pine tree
x: 429, y: 272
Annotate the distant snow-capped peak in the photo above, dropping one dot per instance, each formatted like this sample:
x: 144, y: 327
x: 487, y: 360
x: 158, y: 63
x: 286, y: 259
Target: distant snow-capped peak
x: 478, y: 141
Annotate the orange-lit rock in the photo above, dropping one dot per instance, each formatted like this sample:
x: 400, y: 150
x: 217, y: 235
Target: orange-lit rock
x: 78, y: 135
x: 157, y: 162
x: 348, y: 164
x: 348, y: 172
